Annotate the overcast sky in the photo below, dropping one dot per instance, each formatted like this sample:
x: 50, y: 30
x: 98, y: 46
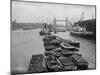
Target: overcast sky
x: 29, y: 12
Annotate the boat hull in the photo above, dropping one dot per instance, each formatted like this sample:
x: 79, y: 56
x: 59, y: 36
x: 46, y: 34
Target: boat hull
x: 70, y: 48
x: 81, y: 34
x: 36, y: 64
x: 81, y: 63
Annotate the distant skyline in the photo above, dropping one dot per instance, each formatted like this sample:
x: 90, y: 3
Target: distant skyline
x: 29, y: 12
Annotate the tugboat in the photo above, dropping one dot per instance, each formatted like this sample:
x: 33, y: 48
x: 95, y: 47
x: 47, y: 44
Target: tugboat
x: 67, y: 46
x: 52, y: 63
x: 45, y: 30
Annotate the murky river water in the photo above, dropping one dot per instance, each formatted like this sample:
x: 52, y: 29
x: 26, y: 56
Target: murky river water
x: 25, y: 43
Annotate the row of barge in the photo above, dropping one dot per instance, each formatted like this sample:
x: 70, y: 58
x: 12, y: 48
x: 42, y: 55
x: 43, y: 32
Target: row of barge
x: 60, y: 55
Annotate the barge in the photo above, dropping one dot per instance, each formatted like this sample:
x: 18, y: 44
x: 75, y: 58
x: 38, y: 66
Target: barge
x: 37, y: 64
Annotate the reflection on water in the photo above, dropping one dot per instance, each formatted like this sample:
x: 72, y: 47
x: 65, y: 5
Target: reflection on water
x: 25, y: 43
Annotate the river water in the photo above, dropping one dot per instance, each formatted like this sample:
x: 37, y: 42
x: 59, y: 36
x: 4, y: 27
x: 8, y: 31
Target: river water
x: 25, y: 43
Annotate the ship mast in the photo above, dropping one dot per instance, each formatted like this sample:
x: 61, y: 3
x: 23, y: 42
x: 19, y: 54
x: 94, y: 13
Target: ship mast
x: 82, y: 17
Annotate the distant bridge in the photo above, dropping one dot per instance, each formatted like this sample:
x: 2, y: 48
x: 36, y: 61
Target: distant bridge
x: 67, y: 23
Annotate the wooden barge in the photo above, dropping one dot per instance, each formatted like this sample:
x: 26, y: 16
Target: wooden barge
x: 37, y: 64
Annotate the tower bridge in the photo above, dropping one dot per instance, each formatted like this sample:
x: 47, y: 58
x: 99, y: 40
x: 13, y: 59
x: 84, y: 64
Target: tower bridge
x: 66, y: 21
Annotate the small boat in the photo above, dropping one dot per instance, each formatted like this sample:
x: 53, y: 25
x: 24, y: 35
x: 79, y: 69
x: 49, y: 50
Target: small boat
x: 67, y: 64
x: 67, y: 46
x: 81, y: 63
x: 52, y: 63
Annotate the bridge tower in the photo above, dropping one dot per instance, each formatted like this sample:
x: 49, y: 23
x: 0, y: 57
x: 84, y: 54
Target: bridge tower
x: 54, y: 21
